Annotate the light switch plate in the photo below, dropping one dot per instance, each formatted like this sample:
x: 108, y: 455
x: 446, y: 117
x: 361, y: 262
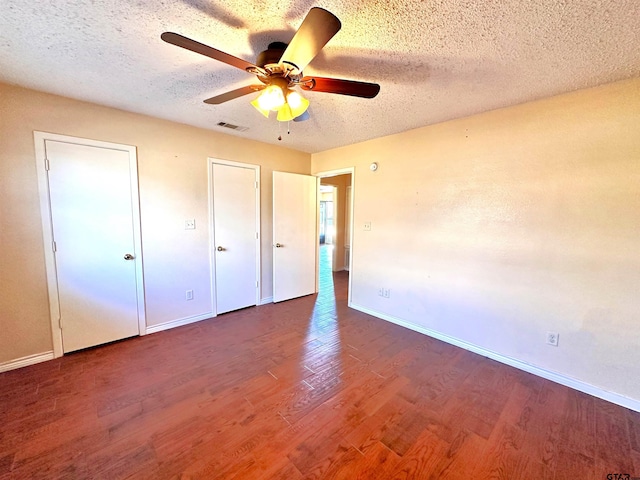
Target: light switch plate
x: 190, y: 224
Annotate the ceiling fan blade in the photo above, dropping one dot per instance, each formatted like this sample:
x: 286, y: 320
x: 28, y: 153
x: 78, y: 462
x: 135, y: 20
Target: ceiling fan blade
x: 342, y: 87
x: 318, y: 27
x: 202, y: 49
x: 303, y: 117
x: 238, y: 92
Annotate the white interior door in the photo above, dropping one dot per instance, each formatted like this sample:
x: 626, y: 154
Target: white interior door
x: 92, y: 219
x: 295, y: 237
x: 236, y: 214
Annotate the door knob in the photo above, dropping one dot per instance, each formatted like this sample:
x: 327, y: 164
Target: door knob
x: 278, y: 245
x: 220, y: 249
x: 128, y: 256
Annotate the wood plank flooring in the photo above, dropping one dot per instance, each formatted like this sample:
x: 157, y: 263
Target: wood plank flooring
x: 305, y: 389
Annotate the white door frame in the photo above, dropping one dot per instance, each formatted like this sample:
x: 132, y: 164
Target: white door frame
x: 47, y: 227
x: 333, y: 173
x: 212, y: 234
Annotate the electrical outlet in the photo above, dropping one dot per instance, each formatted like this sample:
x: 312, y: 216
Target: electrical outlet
x: 381, y: 292
x: 190, y: 224
x: 367, y: 226
x: 188, y: 294
x: 386, y: 292
x: 552, y: 338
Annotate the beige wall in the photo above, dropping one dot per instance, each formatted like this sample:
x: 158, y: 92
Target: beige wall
x: 340, y: 182
x: 173, y: 187
x: 494, y: 229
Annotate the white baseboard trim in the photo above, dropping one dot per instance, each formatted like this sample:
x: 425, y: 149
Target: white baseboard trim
x: 266, y: 300
x: 179, y: 322
x: 612, y: 397
x: 26, y: 361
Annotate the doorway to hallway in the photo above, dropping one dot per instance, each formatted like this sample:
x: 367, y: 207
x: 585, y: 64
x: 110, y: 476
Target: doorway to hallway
x: 334, y: 227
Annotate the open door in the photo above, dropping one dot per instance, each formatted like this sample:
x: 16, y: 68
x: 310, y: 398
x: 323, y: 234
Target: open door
x: 295, y: 203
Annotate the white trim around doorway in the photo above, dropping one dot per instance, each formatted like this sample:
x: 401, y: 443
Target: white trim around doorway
x: 333, y: 173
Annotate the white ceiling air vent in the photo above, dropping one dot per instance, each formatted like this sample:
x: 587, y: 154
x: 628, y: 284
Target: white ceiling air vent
x: 232, y: 126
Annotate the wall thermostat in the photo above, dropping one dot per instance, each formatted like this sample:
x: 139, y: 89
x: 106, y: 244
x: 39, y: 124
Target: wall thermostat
x: 373, y: 167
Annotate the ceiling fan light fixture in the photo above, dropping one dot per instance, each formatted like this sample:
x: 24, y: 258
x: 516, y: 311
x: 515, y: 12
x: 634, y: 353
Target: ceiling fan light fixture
x: 271, y: 98
x: 288, y: 103
x: 257, y: 106
x: 297, y: 103
x: 285, y: 114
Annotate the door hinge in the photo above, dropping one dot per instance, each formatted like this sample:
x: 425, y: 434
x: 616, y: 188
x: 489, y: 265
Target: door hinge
x: 257, y: 284
x: 55, y: 246
x: 47, y: 166
x: 256, y: 185
x: 257, y: 236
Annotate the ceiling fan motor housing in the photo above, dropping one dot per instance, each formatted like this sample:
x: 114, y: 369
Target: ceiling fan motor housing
x: 272, y: 55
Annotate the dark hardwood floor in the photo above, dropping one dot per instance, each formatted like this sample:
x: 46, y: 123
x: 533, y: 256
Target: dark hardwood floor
x: 305, y: 389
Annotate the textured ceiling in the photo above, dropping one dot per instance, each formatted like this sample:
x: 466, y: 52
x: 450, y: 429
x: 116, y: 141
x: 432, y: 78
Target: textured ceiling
x: 435, y: 60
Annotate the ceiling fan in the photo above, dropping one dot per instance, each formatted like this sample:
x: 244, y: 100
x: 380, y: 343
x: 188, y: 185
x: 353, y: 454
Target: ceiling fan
x: 280, y: 69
